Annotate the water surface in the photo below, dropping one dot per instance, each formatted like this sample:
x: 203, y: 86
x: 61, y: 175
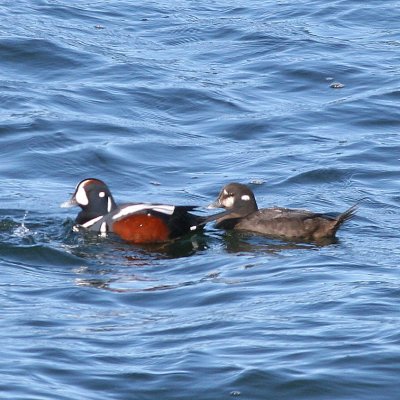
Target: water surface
x: 167, y: 102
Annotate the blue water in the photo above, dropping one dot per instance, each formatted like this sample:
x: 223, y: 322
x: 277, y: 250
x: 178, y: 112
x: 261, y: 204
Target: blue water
x: 167, y: 102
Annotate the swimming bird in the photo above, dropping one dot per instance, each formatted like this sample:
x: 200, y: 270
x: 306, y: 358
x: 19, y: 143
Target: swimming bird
x: 133, y: 222
x: 278, y: 222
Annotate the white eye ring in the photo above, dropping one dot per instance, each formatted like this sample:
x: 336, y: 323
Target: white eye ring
x: 102, y: 194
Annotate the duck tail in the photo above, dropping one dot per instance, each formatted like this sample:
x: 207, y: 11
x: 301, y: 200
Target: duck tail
x: 201, y: 221
x: 349, y: 213
x: 345, y: 216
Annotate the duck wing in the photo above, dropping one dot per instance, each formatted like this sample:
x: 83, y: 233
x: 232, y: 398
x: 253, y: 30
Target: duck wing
x: 294, y: 224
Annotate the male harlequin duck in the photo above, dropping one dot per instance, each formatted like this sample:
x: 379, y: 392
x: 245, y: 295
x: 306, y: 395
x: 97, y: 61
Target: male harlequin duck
x: 284, y: 223
x: 134, y: 222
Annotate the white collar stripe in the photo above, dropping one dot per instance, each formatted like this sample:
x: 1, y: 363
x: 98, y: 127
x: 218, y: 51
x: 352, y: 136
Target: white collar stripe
x: 103, y: 230
x: 91, y: 222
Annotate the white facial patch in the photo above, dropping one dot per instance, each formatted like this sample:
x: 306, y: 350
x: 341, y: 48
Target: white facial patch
x: 169, y: 210
x: 102, y: 194
x: 245, y: 197
x: 225, y: 192
x: 228, y: 202
x: 81, y: 197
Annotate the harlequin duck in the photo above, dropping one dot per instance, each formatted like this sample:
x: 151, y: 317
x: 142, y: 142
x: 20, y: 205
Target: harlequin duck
x: 134, y: 222
x: 284, y: 223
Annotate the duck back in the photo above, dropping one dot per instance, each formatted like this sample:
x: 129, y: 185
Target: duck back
x: 294, y: 224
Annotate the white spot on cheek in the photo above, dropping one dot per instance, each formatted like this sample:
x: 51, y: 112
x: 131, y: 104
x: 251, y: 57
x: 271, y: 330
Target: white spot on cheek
x: 102, y: 194
x: 81, y: 197
x: 245, y: 197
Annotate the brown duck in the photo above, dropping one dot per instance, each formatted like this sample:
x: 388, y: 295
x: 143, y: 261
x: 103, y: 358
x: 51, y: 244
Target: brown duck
x: 284, y: 223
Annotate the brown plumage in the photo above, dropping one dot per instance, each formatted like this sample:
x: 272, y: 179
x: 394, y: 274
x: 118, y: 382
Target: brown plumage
x: 285, y: 223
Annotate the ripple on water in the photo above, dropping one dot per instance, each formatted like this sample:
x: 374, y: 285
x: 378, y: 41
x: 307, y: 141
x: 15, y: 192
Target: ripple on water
x: 168, y: 103
x: 40, y: 58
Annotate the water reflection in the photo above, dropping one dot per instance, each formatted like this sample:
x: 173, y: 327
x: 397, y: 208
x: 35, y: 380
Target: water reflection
x: 134, y: 283
x: 121, y: 268
x: 236, y: 242
x: 90, y: 244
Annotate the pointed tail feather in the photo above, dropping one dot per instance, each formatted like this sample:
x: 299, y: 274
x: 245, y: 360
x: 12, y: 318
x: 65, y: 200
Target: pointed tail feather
x: 345, y: 216
x: 210, y: 218
x: 348, y: 214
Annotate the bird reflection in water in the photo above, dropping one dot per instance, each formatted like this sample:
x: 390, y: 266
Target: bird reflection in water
x: 236, y: 242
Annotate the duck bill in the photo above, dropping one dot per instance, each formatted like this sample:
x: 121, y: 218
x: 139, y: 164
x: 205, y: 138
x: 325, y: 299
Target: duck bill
x: 215, y: 204
x: 69, y: 203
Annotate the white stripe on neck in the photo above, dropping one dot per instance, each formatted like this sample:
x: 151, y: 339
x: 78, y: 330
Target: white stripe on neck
x: 91, y: 222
